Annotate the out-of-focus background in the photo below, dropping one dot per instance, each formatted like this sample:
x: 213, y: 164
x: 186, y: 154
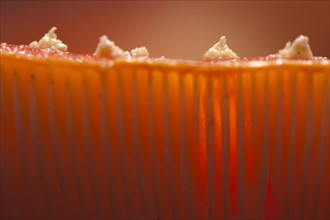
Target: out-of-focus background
x: 176, y: 29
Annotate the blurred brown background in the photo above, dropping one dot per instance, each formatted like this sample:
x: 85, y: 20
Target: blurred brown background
x: 177, y: 29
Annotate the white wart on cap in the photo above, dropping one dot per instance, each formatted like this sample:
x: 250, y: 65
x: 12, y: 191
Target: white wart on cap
x: 299, y: 49
x: 220, y: 51
x: 49, y: 40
